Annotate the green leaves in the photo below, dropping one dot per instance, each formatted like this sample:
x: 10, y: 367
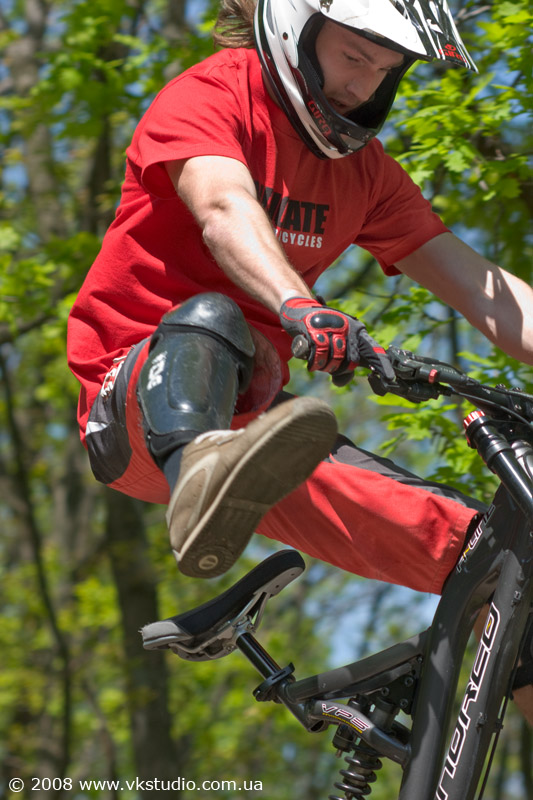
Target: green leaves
x: 467, y: 139
x: 67, y: 112
x: 36, y: 289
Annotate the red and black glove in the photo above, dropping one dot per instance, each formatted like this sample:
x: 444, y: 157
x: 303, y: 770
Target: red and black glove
x: 336, y: 343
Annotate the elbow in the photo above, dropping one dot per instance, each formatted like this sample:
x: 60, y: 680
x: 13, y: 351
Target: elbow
x: 224, y: 216
x: 215, y: 226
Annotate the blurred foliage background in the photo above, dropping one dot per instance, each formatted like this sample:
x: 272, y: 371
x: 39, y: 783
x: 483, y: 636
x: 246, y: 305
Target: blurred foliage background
x: 83, y: 568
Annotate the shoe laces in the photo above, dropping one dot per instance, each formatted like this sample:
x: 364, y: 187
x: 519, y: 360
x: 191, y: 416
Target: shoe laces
x: 216, y: 436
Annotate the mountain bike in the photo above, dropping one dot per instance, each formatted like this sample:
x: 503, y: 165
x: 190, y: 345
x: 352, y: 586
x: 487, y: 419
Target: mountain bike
x: 399, y: 703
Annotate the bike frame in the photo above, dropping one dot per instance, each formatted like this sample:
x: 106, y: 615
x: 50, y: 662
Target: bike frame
x: 496, y: 567
x: 501, y: 569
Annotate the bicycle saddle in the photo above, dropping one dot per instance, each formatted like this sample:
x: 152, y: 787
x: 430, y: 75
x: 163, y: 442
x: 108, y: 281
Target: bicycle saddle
x: 210, y: 631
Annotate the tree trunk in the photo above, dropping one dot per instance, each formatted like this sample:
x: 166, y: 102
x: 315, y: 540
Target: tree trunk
x: 155, y: 753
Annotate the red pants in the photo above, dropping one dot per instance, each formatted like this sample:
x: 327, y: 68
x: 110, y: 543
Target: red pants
x: 357, y: 511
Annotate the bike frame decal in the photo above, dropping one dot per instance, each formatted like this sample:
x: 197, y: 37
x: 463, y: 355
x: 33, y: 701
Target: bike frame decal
x: 471, y: 694
x: 346, y: 716
x: 476, y: 536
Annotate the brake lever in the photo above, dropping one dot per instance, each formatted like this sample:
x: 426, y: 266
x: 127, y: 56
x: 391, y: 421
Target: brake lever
x: 414, y: 390
x: 411, y: 367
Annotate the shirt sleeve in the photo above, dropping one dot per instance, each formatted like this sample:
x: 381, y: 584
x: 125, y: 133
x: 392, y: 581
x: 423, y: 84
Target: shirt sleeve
x: 196, y: 114
x: 399, y: 218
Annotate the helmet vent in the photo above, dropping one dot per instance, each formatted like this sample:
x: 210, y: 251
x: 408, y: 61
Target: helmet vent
x: 399, y: 5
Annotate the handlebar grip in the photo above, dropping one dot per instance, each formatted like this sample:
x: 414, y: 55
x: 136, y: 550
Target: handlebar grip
x: 300, y: 347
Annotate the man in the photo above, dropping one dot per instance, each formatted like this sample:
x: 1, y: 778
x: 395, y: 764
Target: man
x: 249, y: 174
x: 246, y: 178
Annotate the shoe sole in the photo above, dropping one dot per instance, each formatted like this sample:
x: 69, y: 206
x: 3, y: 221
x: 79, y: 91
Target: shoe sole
x: 281, y: 458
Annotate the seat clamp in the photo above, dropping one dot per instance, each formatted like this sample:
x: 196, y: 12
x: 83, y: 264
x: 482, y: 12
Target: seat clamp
x: 267, y: 690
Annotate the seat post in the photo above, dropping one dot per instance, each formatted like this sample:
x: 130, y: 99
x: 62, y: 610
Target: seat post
x: 257, y: 655
x: 276, y: 681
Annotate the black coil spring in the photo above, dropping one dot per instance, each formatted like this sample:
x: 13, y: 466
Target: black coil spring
x: 356, y: 780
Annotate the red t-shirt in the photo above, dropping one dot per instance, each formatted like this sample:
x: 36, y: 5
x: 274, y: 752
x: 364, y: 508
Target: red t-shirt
x: 153, y: 256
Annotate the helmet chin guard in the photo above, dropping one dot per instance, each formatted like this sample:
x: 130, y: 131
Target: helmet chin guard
x: 285, y: 36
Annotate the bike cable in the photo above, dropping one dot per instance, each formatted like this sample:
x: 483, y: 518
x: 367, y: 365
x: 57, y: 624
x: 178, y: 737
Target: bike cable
x: 493, y: 404
x: 499, y: 728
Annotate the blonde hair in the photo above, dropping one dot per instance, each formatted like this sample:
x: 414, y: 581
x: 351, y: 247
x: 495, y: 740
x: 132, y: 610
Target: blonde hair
x: 235, y: 24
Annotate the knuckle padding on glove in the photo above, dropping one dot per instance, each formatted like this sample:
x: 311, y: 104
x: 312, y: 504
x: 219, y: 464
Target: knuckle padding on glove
x: 328, y: 331
x: 325, y: 319
x: 331, y: 334
x: 338, y: 342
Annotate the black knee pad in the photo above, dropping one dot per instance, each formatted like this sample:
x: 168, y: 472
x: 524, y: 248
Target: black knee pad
x: 201, y: 357
x: 218, y: 316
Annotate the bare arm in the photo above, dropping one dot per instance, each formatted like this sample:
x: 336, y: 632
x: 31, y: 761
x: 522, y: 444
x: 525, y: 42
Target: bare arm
x: 221, y: 195
x: 499, y: 304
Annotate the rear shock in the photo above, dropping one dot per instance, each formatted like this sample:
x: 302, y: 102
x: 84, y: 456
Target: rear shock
x: 361, y: 773
x: 363, y: 761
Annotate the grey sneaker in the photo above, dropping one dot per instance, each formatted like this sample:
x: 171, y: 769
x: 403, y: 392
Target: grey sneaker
x: 229, y: 480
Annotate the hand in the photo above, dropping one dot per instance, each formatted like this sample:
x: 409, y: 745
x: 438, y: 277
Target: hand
x: 337, y: 342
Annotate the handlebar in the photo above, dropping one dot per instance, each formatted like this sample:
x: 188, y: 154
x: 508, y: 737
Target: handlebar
x: 419, y: 379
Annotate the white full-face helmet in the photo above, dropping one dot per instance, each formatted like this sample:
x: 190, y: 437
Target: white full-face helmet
x: 285, y: 36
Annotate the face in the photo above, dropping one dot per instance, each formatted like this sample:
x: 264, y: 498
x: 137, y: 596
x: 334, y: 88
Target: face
x: 353, y: 67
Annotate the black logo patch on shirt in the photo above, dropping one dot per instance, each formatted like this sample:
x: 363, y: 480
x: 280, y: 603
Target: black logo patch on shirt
x: 296, y: 222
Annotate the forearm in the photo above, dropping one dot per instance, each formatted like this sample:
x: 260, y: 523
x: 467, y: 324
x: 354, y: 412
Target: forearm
x: 240, y: 236
x: 505, y: 314
x: 220, y: 193
x: 497, y: 303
